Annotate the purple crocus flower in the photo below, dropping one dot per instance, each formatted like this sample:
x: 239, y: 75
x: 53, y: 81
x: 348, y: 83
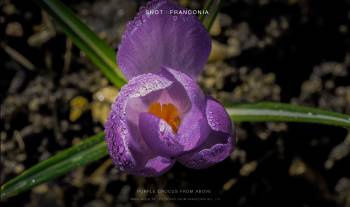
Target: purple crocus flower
x: 161, y: 115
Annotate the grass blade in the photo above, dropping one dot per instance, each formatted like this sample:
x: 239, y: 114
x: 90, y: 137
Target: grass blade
x: 276, y: 112
x: 213, y: 7
x: 207, y: 6
x: 92, y: 149
x: 95, y: 48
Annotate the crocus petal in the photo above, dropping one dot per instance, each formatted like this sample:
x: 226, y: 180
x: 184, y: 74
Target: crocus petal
x: 219, y: 143
x: 194, y: 128
x: 218, y: 119
x: 174, y: 94
x: 206, y: 157
x: 155, y: 167
x: 154, y: 40
x: 159, y: 135
x: 126, y: 147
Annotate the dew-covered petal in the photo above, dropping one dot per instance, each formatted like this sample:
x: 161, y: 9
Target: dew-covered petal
x: 159, y: 136
x: 218, y: 145
x: 174, y: 94
x: 155, y: 167
x: 217, y: 117
x: 208, y: 154
x: 125, y: 145
x: 194, y: 128
x: 154, y: 40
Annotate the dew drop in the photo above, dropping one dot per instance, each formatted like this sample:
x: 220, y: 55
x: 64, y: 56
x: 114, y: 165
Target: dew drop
x: 162, y: 128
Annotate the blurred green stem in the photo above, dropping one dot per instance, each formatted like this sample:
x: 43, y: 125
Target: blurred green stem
x: 96, y: 49
x: 281, y: 112
x: 213, y: 7
x: 89, y: 150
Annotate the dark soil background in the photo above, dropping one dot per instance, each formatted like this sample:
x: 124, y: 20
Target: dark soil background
x: 293, y: 51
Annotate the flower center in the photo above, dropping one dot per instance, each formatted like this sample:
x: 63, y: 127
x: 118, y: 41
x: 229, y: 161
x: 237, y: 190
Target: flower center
x: 168, y: 112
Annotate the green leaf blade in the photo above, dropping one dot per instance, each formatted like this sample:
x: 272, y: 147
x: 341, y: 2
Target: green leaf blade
x: 88, y: 151
x: 213, y: 7
x: 280, y: 112
x: 95, y: 48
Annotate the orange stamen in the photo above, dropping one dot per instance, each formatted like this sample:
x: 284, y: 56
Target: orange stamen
x: 168, y: 112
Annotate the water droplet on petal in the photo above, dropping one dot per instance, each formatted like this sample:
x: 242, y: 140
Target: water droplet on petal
x: 162, y: 127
